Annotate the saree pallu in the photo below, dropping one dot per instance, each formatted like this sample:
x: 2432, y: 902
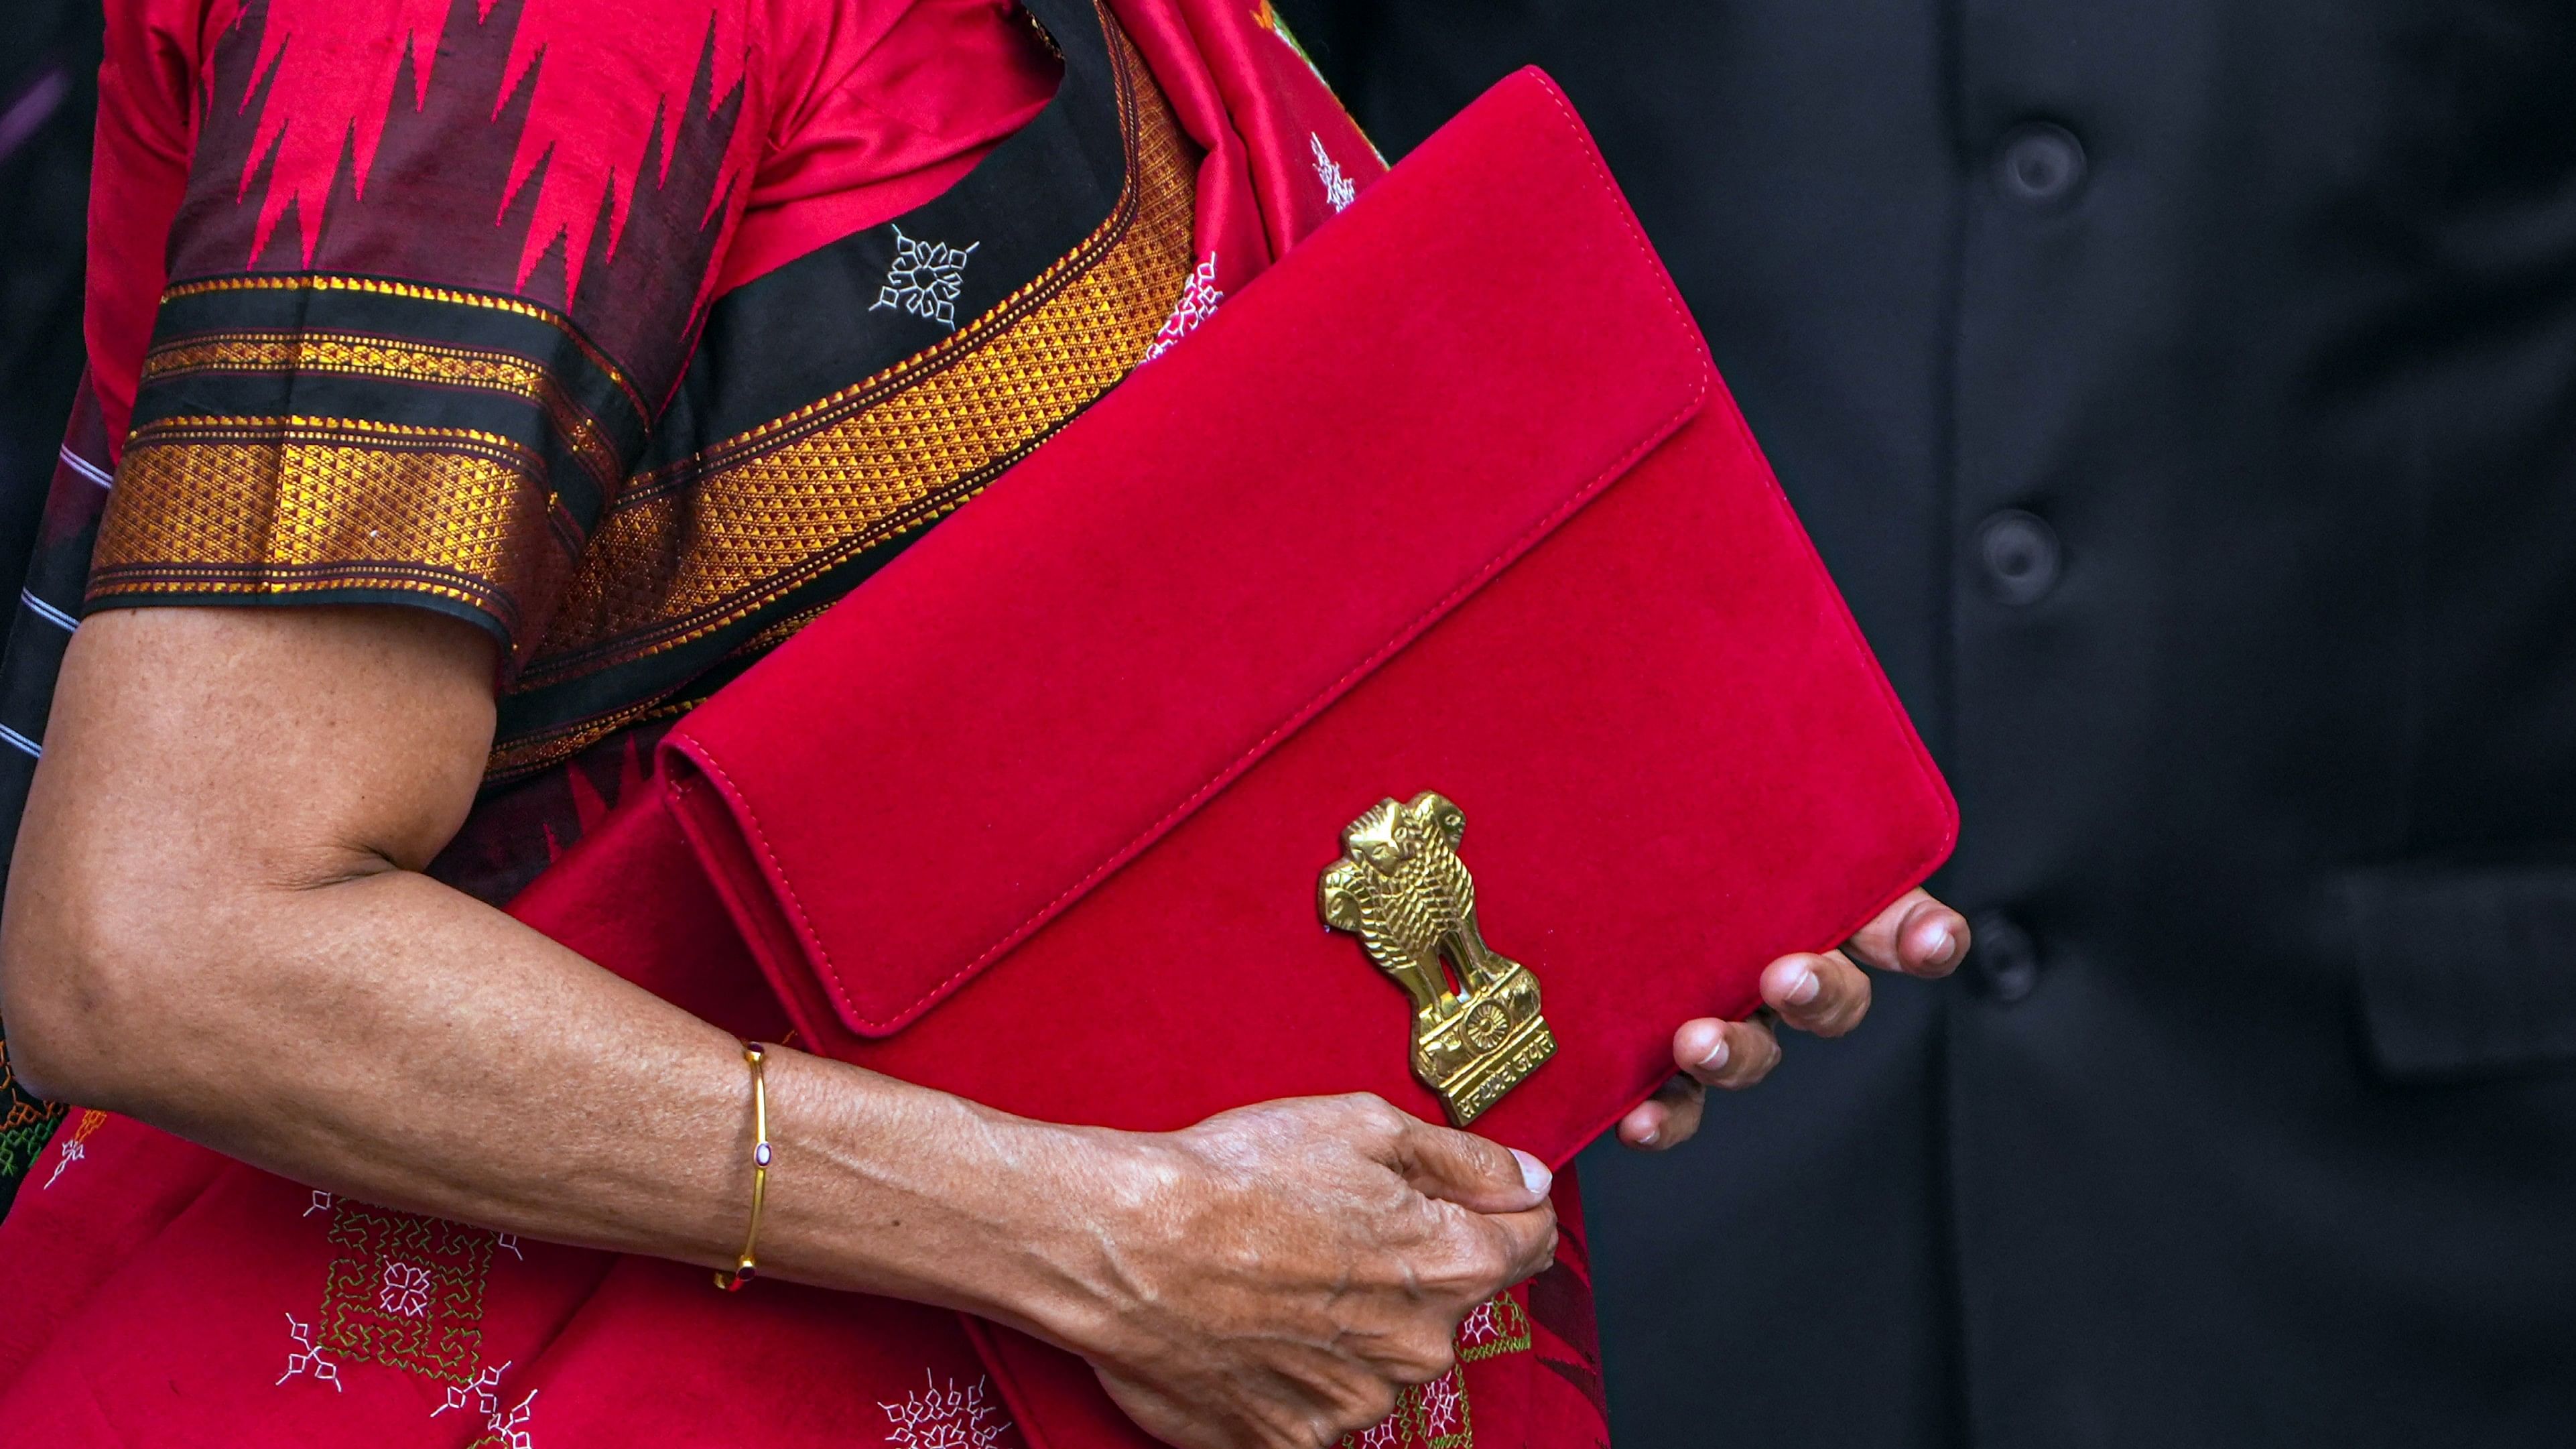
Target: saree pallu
x: 640, y: 431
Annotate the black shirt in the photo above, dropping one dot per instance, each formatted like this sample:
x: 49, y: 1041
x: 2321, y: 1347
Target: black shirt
x: 2184, y: 394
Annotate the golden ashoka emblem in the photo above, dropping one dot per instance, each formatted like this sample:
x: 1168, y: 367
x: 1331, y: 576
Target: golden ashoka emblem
x: 1401, y: 888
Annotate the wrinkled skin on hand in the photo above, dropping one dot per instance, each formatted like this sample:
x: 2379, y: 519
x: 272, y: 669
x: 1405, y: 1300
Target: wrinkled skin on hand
x: 1297, y: 1262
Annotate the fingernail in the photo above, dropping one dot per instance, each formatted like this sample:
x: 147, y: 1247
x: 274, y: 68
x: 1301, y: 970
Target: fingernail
x: 1803, y: 987
x: 1534, y: 1173
x: 1945, y: 944
x: 1716, y: 1056
x: 1648, y: 1137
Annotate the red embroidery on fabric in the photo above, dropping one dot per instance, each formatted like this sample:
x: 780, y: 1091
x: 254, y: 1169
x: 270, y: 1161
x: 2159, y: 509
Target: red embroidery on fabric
x: 503, y: 1427
x: 406, y: 1292
x: 76, y: 1146
x: 1499, y: 1327
x: 1200, y: 297
x: 949, y: 1418
x: 1437, y: 1414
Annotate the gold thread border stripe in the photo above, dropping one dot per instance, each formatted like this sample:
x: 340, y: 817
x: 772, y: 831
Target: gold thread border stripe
x: 418, y: 292
x: 491, y: 371
x: 315, y: 431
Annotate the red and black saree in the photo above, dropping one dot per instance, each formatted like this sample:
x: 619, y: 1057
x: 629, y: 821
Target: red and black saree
x: 635, y: 334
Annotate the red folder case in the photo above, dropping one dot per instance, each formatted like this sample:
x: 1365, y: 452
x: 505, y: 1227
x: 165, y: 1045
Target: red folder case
x: 1450, y: 500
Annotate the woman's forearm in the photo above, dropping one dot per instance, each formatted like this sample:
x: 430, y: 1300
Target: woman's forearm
x: 216, y: 924
x: 382, y: 1035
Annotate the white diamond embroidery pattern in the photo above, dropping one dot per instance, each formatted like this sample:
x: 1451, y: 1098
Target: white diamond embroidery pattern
x: 925, y: 280
x: 507, y: 1427
x: 321, y: 1203
x: 1199, y: 300
x: 1440, y: 1417
x: 510, y: 1430
x: 405, y: 1289
x: 310, y: 1360
x: 950, y: 1418
x: 1337, y: 183
x: 482, y: 1396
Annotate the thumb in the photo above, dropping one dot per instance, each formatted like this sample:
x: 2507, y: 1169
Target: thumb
x: 1473, y: 1172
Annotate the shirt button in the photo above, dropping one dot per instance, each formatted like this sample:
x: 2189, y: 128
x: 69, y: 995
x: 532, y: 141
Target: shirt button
x: 2020, y: 554
x: 2002, y: 958
x: 2041, y: 164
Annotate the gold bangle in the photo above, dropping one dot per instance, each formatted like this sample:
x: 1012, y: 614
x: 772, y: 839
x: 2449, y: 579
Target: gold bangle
x: 747, y: 1267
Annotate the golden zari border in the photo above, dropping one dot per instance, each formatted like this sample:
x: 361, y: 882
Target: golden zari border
x: 416, y: 292
x: 283, y: 506
x: 394, y: 360
x: 713, y: 541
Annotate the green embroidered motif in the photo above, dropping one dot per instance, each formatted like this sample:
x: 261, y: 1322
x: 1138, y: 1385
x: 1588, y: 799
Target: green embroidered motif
x: 1436, y: 1415
x: 26, y: 1124
x: 1427, y: 1416
x: 1498, y: 1328
x: 406, y: 1291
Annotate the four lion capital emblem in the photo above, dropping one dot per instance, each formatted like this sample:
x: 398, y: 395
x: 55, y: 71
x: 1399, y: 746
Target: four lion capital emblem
x: 1401, y: 888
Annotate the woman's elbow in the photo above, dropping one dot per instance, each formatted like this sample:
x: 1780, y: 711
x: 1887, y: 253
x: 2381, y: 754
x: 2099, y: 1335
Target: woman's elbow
x: 81, y: 992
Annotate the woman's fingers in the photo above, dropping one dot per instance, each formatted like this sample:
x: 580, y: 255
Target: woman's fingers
x: 1918, y: 936
x: 1823, y: 993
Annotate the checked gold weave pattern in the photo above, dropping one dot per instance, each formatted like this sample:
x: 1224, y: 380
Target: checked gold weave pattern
x: 281, y: 506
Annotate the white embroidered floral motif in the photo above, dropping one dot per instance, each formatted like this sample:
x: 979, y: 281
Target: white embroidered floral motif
x: 1381, y: 1437
x: 510, y: 1430
x: 950, y: 1418
x: 925, y: 279
x: 506, y: 1427
x: 482, y: 1396
x: 75, y: 1147
x: 321, y: 1203
x: 312, y: 1360
x: 1337, y: 183
x: 405, y: 1289
x: 1199, y: 301
x: 72, y: 1152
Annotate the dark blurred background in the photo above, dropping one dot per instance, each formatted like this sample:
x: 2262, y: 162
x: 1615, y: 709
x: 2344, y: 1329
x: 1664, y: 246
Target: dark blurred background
x: 49, y: 54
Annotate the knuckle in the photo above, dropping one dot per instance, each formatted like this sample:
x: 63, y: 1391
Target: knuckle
x: 1459, y: 1269
x: 1375, y: 1114
x: 1425, y: 1355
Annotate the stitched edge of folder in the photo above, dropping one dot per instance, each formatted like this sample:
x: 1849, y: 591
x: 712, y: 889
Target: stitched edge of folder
x: 1692, y: 343
x: 1927, y: 773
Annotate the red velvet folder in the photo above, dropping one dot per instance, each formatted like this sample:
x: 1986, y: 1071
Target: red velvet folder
x: 1450, y: 499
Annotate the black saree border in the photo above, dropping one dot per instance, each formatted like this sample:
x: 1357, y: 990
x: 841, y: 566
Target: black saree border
x: 768, y: 410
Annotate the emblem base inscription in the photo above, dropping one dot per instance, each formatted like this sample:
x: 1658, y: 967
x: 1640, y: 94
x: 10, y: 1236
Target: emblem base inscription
x: 1401, y: 888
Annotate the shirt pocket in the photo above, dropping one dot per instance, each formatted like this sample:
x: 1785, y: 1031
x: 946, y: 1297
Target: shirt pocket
x: 2466, y: 972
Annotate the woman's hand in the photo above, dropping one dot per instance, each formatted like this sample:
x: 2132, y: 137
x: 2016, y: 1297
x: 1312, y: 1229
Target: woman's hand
x: 1291, y: 1265
x: 1825, y: 994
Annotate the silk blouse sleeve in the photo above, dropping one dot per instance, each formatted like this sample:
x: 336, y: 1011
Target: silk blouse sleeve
x: 430, y: 283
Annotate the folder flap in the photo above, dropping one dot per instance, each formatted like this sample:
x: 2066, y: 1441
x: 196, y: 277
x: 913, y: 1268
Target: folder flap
x: 1225, y: 544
